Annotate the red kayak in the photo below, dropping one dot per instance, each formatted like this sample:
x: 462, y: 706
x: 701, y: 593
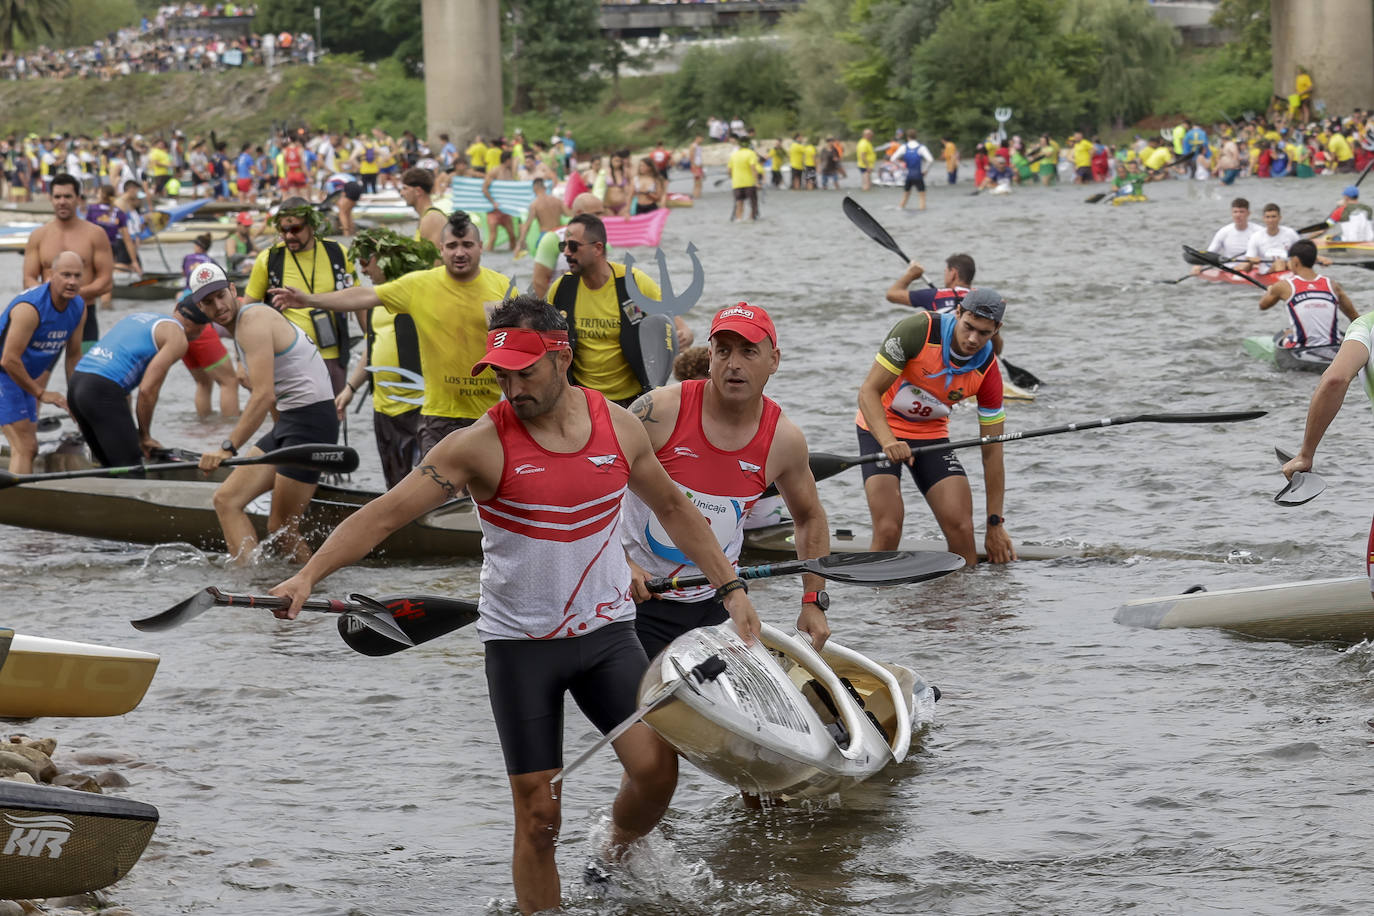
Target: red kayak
x: 1224, y: 276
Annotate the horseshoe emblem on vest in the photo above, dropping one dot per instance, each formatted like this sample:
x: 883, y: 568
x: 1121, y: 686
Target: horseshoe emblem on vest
x: 671, y: 304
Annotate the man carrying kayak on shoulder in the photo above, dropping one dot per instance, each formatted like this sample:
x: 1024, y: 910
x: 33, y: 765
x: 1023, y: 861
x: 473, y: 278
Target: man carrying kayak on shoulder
x: 927, y: 363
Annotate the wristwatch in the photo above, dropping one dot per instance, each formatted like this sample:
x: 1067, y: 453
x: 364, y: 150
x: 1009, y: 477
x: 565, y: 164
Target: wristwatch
x: 820, y: 599
x: 228, y: 446
x: 995, y: 520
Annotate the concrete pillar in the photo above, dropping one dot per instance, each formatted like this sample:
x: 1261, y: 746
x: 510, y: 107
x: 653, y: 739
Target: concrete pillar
x: 462, y: 69
x: 1334, y: 41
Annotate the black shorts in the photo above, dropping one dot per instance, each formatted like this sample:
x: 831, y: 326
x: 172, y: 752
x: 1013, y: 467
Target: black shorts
x: 918, y: 182
x: 318, y: 422
x: 1085, y: 172
x: 928, y: 468
x: 526, y: 679
x: 659, y: 622
x: 369, y: 182
x: 101, y: 410
x: 432, y: 430
x: 398, y: 444
x: 748, y: 194
x: 160, y: 182
x: 120, y: 252
x: 353, y: 190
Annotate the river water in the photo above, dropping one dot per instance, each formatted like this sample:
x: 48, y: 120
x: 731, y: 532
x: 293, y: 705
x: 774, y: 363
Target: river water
x: 1075, y: 766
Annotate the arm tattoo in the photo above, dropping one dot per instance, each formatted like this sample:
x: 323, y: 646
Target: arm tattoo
x: 643, y: 408
x: 428, y: 470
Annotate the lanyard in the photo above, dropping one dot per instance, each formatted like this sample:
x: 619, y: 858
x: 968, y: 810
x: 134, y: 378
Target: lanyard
x: 313, y: 261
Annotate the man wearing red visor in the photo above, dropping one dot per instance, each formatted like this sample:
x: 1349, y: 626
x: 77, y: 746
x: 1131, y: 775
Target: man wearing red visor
x: 548, y: 467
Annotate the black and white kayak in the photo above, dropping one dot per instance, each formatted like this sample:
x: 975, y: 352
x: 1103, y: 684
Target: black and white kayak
x: 1291, y: 359
x: 1334, y: 610
x: 57, y: 842
x: 781, y: 720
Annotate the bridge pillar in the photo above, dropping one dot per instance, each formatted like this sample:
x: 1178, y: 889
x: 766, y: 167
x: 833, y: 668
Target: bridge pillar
x: 1334, y: 41
x: 462, y: 69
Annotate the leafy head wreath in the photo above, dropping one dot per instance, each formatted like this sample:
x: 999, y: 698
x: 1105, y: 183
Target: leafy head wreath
x: 396, y: 254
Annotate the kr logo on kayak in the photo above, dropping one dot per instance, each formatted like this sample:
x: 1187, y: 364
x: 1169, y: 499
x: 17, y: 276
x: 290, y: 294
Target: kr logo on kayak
x: 33, y: 837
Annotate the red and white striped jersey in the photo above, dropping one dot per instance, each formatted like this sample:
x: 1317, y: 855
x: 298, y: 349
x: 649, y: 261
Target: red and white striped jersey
x: 552, y: 566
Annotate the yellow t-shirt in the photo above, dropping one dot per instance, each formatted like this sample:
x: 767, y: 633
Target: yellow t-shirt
x: 744, y: 168
x: 864, y: 154
x: 1340, y: 148
x: 775, y: 156
x: 809, y: 155
x: 1303, y: 84
x: 598, y: 361
x: 1082, y: 154
x: 451, y: 322
x: 493, y: 160
x: 1157, y: 158
x: 795, y: 154
x: 159, y: 162
x: 297, y: 273
x: 385, y: 158
x: 477, y: 155
x: 386, y: 352
x: 365, y: 167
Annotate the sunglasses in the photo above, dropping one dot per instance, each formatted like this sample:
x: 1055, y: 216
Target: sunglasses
x: 292, y: 230
x: 571, y: 246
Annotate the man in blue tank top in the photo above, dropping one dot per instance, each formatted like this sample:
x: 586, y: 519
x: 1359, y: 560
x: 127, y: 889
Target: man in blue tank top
x: 136, y: 353
x: 36, y: 328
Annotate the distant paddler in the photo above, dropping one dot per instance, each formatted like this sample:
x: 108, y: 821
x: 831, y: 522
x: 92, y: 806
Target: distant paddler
x: 1232, y: 240
x: 1313, y: 301
x: 134, y: 354
x: 286, y: 375
x: 1355, y: 357
x: 38, y: 326
x: 927, y: 363
x: 1269, y: 245
x: 417, y: 188
x: 955, y: 285
x: 69, y: 232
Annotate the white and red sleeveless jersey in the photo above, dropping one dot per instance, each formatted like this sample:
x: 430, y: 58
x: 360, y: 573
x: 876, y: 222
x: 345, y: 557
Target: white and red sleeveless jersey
x: 722, y: 485
x: 1312, y: 312
x: 552, y: 566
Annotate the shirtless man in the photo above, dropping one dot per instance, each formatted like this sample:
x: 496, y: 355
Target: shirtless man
x: 69, y: 232
x: 547, y: 209
x: 417, y: 188
x: 504, y: 171
x: 37, y: 327
x: 549, y: 261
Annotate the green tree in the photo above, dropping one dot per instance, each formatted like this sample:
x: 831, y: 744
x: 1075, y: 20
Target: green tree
x: 986, y: 54
x: 1135, y: 50
x: 821, y: 39
x: 86, y: 20
x: 29, y: 20
x: 1252, y: 48
x: 746, y: 79
x: 884, y: 75
x: 556, y: 52
x: 348, y: 26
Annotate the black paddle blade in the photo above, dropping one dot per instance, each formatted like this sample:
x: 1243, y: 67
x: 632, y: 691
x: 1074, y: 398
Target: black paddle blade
x: 175, y: 616
x: 1201, y: 258
x: 318, y: 457
x: 1224, y: 416
x: 1094, y: 198
x: 421, y: 617
x: 1315, y: 227
x: 1021, y: 378
x: 871, y: 227
x: 891, y: 567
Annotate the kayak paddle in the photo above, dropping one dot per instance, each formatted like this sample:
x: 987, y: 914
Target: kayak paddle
x: 873, y: 229
x: 825, y: 465
x: 1208, y: 259
x: 1302, y: 487
x: 891, y: 567
x: 320, y: 457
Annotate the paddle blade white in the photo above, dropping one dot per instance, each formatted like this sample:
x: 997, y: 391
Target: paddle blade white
x: 1302, y: 488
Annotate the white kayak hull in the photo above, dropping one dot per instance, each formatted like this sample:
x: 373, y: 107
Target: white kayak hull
x: 1335, y: 610
x: 54, y: 677
x: 779, y: 722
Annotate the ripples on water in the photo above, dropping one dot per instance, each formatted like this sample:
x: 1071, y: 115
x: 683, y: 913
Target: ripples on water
x: 1075, y: 765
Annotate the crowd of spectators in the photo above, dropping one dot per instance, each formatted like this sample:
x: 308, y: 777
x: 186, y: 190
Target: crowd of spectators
x: 155, y: 46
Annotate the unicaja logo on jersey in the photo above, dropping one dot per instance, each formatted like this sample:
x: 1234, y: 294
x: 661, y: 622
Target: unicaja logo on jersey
x: 40, y: 836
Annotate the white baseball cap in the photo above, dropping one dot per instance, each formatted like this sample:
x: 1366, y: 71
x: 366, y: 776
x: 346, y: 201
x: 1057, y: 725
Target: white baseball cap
x: 207, y: 278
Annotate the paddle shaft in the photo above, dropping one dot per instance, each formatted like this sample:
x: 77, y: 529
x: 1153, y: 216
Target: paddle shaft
x: 1206, y: 257
x: 825, y: 465
x: 664, y: 584
x: 322, y: 457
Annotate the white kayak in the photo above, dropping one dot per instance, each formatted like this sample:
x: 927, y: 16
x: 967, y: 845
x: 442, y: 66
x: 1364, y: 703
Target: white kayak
x: 54, y: 677
x: 783, y: 721
x: 1336, y: 610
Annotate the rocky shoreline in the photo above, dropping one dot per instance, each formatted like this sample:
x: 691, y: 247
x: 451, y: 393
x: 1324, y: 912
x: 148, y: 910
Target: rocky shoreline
x: 35, y: 761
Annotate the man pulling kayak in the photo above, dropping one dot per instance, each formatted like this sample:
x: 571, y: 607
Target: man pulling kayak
x: 927, y: 363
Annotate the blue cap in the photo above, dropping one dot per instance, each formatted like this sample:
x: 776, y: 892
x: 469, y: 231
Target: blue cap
x: 1352, y: 192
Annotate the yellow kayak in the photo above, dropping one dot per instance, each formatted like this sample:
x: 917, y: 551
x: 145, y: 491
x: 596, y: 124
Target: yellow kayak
x: 54, y: 677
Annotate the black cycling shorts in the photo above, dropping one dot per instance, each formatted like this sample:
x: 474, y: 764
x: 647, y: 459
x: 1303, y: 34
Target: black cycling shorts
x: 100, y: 408
x: 918, y: 182
x: 928, y: 469
x: 318, y: 422
x: 526, y: 679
